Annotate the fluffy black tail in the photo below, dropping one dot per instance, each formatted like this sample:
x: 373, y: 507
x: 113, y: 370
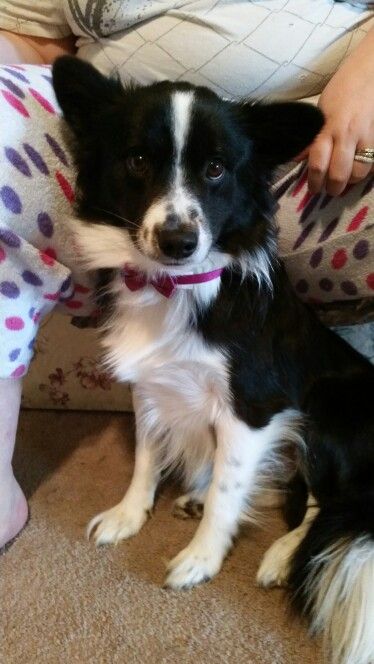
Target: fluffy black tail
x: 332, y: 579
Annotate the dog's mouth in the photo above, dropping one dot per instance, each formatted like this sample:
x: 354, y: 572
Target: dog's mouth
x: 186, y: 250
x: 173, y: 263
x: 165, y: 262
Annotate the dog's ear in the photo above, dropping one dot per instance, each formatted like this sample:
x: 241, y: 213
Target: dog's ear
x: 83, y: 93
x: 281, y: 130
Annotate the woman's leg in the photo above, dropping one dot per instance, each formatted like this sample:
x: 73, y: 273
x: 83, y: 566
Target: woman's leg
x: 327, y: 242
x: 13, y: 505
x: 36, y: 193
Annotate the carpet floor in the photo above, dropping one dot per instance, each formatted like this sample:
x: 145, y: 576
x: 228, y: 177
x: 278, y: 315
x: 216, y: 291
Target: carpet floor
x: 64, y: 601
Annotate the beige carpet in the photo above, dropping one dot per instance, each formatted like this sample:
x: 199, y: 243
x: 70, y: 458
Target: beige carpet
x: 64, y: 601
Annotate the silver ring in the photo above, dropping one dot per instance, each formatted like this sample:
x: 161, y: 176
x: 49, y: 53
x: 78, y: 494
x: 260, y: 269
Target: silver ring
x: 365, y: 155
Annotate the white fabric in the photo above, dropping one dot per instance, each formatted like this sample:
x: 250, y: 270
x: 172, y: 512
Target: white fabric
x: 289, y: 48
x: 39, y: 18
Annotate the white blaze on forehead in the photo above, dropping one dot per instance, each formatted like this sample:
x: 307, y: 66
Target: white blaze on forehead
x: 178, y: 198
x: 181, y: 105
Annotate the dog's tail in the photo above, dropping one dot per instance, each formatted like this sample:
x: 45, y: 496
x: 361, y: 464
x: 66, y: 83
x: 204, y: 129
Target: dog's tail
x: 332, y: 579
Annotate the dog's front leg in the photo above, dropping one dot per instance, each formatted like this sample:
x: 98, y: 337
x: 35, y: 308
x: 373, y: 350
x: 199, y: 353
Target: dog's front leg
x: 126, y: 519
x: 238, y: 454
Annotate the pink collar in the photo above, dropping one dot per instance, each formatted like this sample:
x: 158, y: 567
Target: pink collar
x: 165, y: 284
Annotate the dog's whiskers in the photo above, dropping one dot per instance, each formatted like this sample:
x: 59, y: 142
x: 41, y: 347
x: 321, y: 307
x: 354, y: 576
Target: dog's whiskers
x: 113, y: 214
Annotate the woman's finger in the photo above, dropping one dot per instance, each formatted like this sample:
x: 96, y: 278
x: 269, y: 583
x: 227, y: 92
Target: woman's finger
x: 341, y: 165
x: 340, y: 168
x: 318, y: 162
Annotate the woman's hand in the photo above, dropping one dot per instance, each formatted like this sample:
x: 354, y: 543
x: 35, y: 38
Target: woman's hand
x: 348, y: 104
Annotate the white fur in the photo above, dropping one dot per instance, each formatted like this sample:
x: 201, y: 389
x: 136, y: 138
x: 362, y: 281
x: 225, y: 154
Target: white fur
x: 258, y: 263
x: 181, y: 112
x: 342, y: 597
x: 125, y: 519
x: 274, y: 568
x: 237, y: 459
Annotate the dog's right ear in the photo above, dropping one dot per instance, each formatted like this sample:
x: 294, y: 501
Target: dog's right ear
x: 280, y: 130
x: 83, y: 93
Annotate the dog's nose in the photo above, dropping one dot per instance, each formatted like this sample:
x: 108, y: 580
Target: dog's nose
x: 177, y: 243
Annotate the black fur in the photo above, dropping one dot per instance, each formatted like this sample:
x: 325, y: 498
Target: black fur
x: 294, y: 507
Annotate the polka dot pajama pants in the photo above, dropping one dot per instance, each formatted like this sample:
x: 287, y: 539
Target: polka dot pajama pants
x: 326, y: 242
x: 38, y: 266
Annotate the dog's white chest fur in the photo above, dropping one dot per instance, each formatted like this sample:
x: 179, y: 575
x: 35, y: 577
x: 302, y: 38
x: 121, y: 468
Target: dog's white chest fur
x: 150, y: 336
x: 150, y: 340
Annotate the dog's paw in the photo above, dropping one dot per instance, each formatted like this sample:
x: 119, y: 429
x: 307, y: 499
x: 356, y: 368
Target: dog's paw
x: 119, y: 523
x: 192, y: 566
x: 275, y: 565
x: 188, y: 507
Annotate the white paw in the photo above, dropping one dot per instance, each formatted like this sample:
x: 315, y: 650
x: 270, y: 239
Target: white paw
x: 275, y: 565
x: 192, y: 566
x: 188, y: 507
x: 120, y: 522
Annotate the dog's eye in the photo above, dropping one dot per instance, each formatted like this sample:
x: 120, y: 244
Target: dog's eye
x: 138, y: 165
x: 214, y: 169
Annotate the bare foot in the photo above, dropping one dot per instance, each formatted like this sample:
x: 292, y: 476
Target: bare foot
x: 13, y: 510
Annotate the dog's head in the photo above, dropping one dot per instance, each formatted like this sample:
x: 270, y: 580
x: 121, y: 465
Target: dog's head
x: 179, y: 170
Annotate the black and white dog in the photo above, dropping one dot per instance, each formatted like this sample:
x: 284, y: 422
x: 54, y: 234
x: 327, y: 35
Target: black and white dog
x: 175, y: 212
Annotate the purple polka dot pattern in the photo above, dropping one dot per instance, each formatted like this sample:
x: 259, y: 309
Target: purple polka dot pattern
x: 45, y: 224
x: 302, y: 286
x: 303, y: 235
x: 9, y: 289
x: 361, y: 249
x: 17, y: 161
x: 316, y: 257
x: 31, y: 278
x: 9, y: 238
x: 10, y: 199
x: 309, y: 208
x: 325, y: 201
x: 36, y: 159
x: 286, y: 184
x: 326, y: 285
x: 329, y: 229
x: 16, y: 74
x: 348, y: 287
x: 14, y: 354
x: 47, y: 78
x: 31, y: 344
x: 32, y: 313
x: 65, y: 285
x: 12, y: 87
x: 57, y: 149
